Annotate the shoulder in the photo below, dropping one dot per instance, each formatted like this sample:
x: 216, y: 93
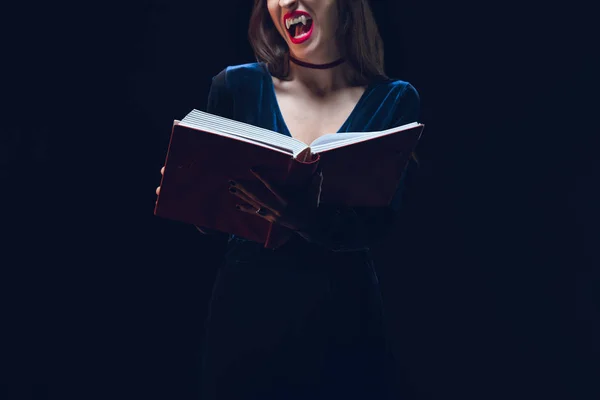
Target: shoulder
x: 398, y: 89
x: 400, y: 98
x: 236, y: 75
x: 236, y: 90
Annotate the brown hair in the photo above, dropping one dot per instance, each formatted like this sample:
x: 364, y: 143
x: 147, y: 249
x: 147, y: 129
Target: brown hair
x: 357, y: 34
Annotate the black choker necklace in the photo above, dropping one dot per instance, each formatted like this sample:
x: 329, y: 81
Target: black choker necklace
x: 316, y: 66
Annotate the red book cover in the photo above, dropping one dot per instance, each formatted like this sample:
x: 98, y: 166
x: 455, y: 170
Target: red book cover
x: 200, y: 164
x: 367, y: 173
x: 195, y: 184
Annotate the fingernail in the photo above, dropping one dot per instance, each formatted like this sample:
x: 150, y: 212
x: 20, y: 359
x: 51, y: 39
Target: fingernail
x: 232, y: 183
x: 233, y: 190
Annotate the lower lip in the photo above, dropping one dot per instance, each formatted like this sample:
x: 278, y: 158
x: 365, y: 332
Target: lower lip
x: 302, y: 38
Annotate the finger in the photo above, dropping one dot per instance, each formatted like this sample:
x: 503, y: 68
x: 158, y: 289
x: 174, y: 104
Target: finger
x: 247, y: 208
x: 269, y: 186
x: 158, y: 190
x: 236, y: 192
x: 238, y: 188
x: 162, y: 171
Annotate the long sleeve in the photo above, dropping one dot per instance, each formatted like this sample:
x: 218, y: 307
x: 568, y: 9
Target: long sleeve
x: 351, y: 229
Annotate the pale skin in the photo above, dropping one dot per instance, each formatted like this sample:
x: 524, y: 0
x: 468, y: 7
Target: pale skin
x: 313, y: 103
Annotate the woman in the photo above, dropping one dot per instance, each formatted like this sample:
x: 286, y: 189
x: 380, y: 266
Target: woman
x: 304, y: 321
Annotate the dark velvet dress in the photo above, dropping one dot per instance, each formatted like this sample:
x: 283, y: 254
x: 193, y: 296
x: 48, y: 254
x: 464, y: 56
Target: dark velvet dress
x: 303, y: 321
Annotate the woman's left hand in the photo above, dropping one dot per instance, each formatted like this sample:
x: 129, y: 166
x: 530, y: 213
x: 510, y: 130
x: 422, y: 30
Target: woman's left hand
x: 295, y: 211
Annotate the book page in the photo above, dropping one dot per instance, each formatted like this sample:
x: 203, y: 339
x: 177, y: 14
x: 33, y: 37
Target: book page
x: 335, y: 137
x: 334, y: 140
x: 225, y: 126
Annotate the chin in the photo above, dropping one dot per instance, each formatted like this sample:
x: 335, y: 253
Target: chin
x: 309, y: 50
x: 304, y: 53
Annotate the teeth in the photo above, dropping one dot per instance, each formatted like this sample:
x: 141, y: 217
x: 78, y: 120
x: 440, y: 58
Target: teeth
x: 291, y: 21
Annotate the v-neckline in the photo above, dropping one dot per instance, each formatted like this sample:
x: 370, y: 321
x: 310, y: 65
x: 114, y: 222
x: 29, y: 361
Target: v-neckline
x: 271, y: 84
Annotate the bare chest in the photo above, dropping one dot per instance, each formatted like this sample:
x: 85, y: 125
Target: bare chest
x: 308, y: 118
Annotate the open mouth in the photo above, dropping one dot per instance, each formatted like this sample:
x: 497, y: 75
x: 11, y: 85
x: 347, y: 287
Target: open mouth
x: 299, y: 26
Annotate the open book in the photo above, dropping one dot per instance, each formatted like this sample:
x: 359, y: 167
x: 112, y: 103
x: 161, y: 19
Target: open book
x: 207, y: 151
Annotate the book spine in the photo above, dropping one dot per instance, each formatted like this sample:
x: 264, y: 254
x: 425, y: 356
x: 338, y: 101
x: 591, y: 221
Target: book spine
x: 299, y: 175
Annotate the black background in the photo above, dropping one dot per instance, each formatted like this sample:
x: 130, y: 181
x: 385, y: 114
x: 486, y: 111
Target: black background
x: 489, y: 281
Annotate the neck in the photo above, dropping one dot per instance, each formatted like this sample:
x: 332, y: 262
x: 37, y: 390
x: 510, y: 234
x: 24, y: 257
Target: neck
x: 316, y: 66
x: 320, y: 80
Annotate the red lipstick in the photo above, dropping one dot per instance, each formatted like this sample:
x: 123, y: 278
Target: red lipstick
x: 298, y: 25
